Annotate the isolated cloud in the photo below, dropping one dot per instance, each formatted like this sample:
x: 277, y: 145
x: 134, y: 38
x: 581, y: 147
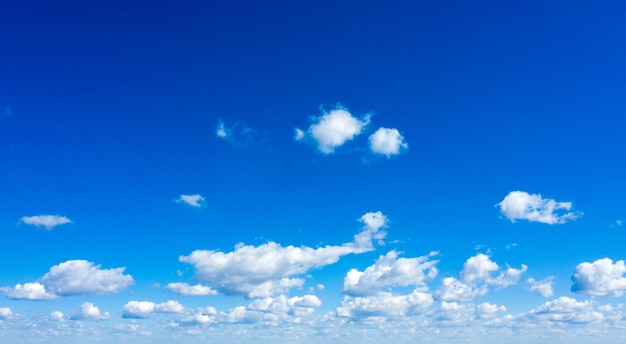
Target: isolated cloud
x: 185, y: 289
x: 89, y: 312
x: 192, y: 200
x: 28, y: 291
x: 271, y: 269
x: 542, y: 287
x: 387, y: 142
x: 144, y: 309
x: 238, y: 135
x: 73, y: 277
x: 385, y: 304
x: 389, y: 270
x: 46, y: 221
x: 6, y: 313
x: 477, y: 275
x: 333, y: 129
x: 601, y: 277
x: 520, y: 205
x: 56, y: 316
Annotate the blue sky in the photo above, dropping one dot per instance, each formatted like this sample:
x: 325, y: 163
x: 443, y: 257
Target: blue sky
x: 313, y: 172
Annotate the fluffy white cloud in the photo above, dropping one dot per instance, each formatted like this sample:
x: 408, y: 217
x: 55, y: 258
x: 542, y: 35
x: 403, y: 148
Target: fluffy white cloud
x: 6, y: 313
x: 389, y: 270
x: 88, y: 311
x: 269, y: 269
x: 477, y: 274
x: 385, y: 304
x: 192, y: 200
x: 185, y: 289
x: 520, y: 205
x: 144, y: 309
x: 28, y: 291
x: 542, y: 287
x: 81, y: 277
x: 487, y: 310
x: 46, y: 221
x: 56, y: 316
x: 602, y: 277
x: 453, y: 313
x: 387, y: 142
x: 333, y: 129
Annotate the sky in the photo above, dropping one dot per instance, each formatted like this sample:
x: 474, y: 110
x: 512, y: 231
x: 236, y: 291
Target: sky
x: 312, y: 171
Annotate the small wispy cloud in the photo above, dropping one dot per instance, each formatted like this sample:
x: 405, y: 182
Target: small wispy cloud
x: 238, y: 135
x: 46, y: 221
x: 520, y: 205
x: 191, y: 200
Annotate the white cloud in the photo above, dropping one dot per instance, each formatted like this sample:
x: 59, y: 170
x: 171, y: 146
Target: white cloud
x: 6, y: 313
x: 333, y: 129
x: 144, y: 309
x: 56, y: 316
x: 28, y: 291
x: 89, y: 312
x: 477, y: 274
x: 487, y: 310
x: 565, y: 309
x: 520, y: 205
x: 81, y: 277
x: 385, y: 304
x: 453, y: 313
x: 387, y: 142
x: 601, y: 277
x: 271, y: 269
x: 542, y: 287
x: 192, y: 200
x: 185, y: 289
x: 389, y: 270
x: 221, y: 130
x: 46, y: 221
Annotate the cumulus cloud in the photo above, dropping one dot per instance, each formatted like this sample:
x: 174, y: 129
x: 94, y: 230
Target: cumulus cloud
x: 542, y: 287
x: 487, y: 310
x: 387, y: 142
x: 144, y: 309
x: 56, y: 316
x: 192, y: 200
x: 185, y: 289
x: 46, y: 221
x: 453, y: 313
x: 479, y: 272
x: 565, y: 309
x: 271, y: 269
x: 28, y: 291
x: 6, y: 313
x: 333, y: 129
x: 602, y: 277
x: 238, y: 135
x: 385, y: 304
x: 520, y: 205
x: 88, y: 311
x: 389, y: 270
x: 73, y: 277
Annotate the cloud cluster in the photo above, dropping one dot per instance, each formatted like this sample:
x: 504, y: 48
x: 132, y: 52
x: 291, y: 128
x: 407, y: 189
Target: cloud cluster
x: 389, y: 270
x: 335, y: 128
x: 73, y: 277
x: 191, y: 200
x: 271, y: 269
x: 6, y: 313
x: 385, y: 304
x: 602, y: 277
x: 520, y: 205
x: 475, y: 278
x: 542, y: 287
x: 46, y: 221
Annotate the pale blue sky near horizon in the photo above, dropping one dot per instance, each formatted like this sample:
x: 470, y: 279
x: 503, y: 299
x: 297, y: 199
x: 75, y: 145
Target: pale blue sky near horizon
x: 294, y: 124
